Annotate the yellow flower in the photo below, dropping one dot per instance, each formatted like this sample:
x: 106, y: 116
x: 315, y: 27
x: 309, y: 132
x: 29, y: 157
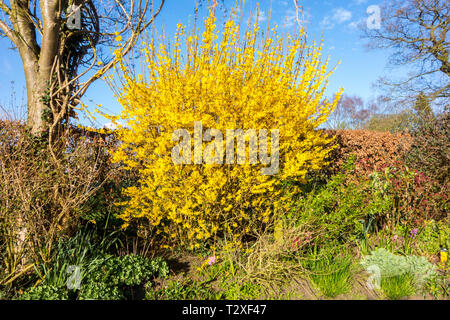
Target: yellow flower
x: 269, y: 82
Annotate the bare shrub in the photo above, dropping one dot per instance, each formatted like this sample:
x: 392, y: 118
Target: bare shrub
x: 41, y: 198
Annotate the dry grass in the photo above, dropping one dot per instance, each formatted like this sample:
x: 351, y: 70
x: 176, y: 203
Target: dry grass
x: 275, y: 258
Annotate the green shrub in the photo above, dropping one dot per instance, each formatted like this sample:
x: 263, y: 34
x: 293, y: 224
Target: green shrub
x: 391, y: 265
x: 430, y: 149
x: 343, y: 210
x: 433, y: 236
x: 439, y: 286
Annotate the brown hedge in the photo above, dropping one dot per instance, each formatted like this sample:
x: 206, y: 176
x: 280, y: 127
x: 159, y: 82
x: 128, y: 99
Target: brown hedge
x: 373, y: 150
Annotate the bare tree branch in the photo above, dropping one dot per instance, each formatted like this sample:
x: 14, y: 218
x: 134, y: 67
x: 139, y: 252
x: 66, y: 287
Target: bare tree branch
x: 416, y: 31
x: 64, y: 61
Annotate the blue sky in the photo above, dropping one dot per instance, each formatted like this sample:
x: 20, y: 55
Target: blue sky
x: 336, y: 20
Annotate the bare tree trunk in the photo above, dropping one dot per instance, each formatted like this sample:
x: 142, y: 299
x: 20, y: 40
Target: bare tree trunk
x: 40, y: 75
x: 36, y: 104
x: 30, y: 52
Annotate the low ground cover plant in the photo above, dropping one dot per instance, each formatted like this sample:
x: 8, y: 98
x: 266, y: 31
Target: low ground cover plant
x: 86, y: 266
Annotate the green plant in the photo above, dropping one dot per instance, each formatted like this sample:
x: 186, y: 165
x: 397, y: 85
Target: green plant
x: 104, y: 277
x: 332, y: 275
x: 237, y: 290
x: 127, y: 270
x: 100, y: 291
x: 185, y: 289
x: 433, y: 236
x: 438, y: 287
x: 430, y: 148
x: 391, y: 265
x: 397, y: 287
x: 3, y: 295
x: 45, y: 292
x: 343, y: 210
x: 83, y: 249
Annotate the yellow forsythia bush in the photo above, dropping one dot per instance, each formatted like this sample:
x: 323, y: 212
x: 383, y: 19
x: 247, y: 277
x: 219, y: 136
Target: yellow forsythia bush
x: 233, y: 79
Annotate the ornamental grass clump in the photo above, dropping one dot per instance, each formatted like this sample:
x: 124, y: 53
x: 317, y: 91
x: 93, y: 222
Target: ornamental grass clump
x: 225, y: 79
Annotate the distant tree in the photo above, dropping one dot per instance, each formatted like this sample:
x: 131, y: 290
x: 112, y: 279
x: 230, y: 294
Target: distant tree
x: 422, y: 108
x: 396, y: 122
x: 351, y: 113
x: 416, y: 31
x: 65, y: 45
x: 430, y: 151
x: 410, y: 118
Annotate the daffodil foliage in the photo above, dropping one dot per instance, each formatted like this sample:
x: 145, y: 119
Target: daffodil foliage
x: 232, y: 78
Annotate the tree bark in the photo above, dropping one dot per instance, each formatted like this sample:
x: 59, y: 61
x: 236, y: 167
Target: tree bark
x: 37, y: 61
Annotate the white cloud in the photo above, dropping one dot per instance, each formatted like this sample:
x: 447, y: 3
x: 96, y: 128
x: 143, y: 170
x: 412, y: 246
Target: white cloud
x: 261, y: 17
x: 291, y: 18
x: 355, y: 24
x: 339, y: 16
x: 342, y: 15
